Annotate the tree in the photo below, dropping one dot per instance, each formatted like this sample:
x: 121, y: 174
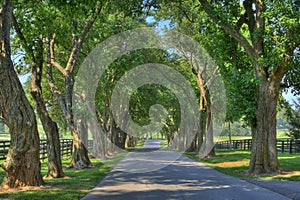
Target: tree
x: 293, y: 115
x: 268, y: 25
x: 35, y: 55
x: 183, y: 18
x: 22, y: 164
x: 80, y: 158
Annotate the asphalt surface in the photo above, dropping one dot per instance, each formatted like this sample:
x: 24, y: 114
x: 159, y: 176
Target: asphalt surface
x: 152, y: 173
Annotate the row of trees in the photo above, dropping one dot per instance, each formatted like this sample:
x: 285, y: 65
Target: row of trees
x: 50, y: 40
x: 254, y: 43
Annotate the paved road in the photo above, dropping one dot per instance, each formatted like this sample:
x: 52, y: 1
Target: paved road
x: 150, y: 173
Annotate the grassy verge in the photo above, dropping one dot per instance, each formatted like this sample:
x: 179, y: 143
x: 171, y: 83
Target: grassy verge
x: 281, y: 133
x: 78, y: 183
x: 236, y: 163
x: 164, y: 144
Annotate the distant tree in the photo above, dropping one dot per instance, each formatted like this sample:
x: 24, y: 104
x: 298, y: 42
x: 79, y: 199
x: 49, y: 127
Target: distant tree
x: 1, y: 125
x: 282, y: 121
x: 294, y: 120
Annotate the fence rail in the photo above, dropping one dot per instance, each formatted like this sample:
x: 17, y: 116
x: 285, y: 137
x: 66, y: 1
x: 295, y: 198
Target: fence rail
x: 65, y: 148
x: 283, y: 145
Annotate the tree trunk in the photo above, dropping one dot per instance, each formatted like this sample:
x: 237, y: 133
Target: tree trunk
x: 200, y: 133
x: 99, y: 144
x: 121, y: 138
x: 193, y: 145
x: 1, y: 127
x: 207, y: 147
x: 22, y: 164
x: 209, y: 135
x: 52, y: 133
x: 264, y: 151
x: 49, y: 126
x: 229, y: 135
x: 80, y: 158
x: 83, y: 133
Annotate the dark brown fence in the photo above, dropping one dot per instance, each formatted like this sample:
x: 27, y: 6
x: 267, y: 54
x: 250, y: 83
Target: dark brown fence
x: 235, y: 144
x: 4, y: 146
x: 65, y: 145
x: 288, y: 146
x: 283, y: 145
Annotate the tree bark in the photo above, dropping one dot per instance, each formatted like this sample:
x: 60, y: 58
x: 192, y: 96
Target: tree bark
x: 99, y: 141
x: 130, y: 141
x: 52, y: 133
x: 83, y: 133
x: 22, y: 164
x: 264, y: 150
x: 49, y: 126
x: 207, y: 147
x: 80, y: 158
x: 200, y: 133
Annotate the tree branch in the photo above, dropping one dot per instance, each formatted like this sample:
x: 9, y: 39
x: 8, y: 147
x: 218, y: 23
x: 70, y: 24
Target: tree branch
x: 78, y: 43
x: 52, y: 56
x: 5, y: 20
x: 258, y: 33
x: 229, y: 30
x: 250, y: 16
x: 59, y: 96
x: 26, y: 46
x: 191, y: 20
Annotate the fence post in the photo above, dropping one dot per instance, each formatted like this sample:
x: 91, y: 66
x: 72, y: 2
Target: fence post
x: 291, y: 146
x: 282, y: 146
x: 42, y: 146
x: 68, y: 148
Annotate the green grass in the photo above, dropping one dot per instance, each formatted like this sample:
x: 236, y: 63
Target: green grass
x: 4, y: 137
x: 79, y: 183
x: 164, y: 144
x: 234, y: 137
x: 281, y: 133
x: 236, y: 163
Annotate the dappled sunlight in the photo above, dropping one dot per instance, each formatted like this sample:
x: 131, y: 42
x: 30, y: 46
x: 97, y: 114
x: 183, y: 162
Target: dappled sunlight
x: 123, y: 188
x: 183, y: 178
x: 287, y: 174
x: 233, y: 163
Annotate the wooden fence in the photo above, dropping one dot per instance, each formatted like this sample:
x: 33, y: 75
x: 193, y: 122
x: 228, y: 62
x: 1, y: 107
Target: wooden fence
x: 283, y: 145
x: 65, y: 145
